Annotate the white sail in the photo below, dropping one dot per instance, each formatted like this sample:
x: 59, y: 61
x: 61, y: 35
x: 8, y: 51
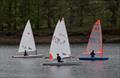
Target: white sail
x: 60, y: 42
x: 27, y: 41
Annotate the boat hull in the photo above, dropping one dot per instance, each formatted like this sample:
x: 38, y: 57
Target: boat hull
x: 61, y: 64
x: 30, y: 56
x: 93, y: 59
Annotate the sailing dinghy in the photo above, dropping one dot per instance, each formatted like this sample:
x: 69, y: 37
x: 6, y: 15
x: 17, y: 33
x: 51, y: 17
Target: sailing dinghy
x: 60, y: 44
x: 61, y: 64
x: 27, y: 44
x: 95, y: 43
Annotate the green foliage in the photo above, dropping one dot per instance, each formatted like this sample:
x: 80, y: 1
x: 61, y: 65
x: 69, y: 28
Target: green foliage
x: 80, y: 15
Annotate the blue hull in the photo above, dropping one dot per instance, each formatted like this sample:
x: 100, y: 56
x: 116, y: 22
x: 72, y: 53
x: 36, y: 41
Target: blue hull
x: 93, y: 59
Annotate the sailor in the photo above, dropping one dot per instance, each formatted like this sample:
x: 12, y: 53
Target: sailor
x: 25, y: 53
x: 92, y: 53
x: 59, y: 58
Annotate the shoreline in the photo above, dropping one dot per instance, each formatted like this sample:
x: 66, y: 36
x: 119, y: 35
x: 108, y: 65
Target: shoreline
x: 46, y: 39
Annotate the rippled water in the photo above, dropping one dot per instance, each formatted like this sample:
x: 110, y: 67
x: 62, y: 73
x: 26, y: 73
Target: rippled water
x: 33, y: 68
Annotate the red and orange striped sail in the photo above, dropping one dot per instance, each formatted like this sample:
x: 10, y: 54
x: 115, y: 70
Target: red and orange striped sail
x: 95, y: 40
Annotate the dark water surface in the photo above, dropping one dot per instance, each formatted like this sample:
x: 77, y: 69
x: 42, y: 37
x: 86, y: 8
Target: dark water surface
x: 33, y: 68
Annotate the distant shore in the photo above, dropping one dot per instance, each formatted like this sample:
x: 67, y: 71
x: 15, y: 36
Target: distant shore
x: 46, y: 39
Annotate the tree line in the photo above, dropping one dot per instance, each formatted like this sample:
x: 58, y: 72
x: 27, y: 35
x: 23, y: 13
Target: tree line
x: 80, y: 15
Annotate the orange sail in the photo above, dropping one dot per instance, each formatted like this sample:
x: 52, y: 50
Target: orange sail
x: 95, y: 40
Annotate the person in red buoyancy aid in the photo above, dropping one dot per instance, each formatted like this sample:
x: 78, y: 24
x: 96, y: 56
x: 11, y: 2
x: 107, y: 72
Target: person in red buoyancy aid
x: 92, y: 54
x: 59, y: 58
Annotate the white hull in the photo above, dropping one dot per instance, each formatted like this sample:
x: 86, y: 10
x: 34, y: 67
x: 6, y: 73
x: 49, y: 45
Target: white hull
x: 29, y: 56
x: 47, y: 57
x: 61, y: 64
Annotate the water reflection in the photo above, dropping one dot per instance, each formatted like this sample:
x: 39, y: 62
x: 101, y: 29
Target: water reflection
x: 33, y: 68
x: 95, y: 69
x: 60, y: 72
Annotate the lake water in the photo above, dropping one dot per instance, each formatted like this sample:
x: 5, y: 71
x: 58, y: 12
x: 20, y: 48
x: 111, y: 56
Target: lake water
x: 33, y: 68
